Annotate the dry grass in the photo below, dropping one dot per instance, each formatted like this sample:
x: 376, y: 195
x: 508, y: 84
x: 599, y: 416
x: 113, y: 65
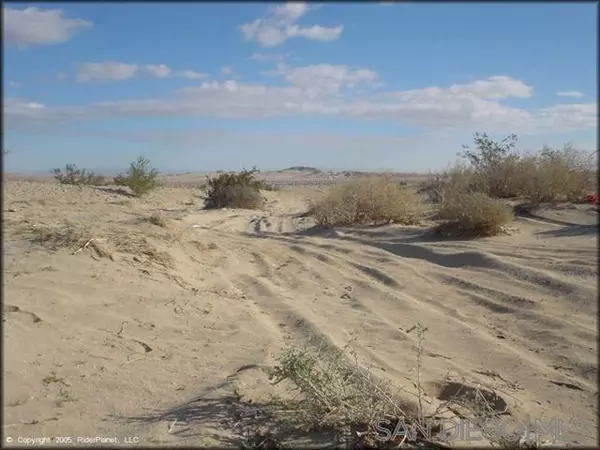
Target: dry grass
x: 142, y: 247
x: 472, y: 214
x: 374, y: 199
x: 69, y: 235
x: 76, y: 238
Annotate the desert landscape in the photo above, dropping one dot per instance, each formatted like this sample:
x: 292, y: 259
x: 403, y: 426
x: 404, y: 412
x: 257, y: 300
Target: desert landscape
x: 368, y: 225
x: 156, y: 320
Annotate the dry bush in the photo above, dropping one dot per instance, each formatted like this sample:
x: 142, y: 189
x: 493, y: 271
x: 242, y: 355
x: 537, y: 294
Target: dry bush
x: 549, y: 175
x: 66, y: 236
x: 438, y: 187
x: 503, y: 179
x: 335, y: 391
x: 158, y: 219
x: 473, y: 214
x: 559, y: 175
x: 237, y: 196
x: 374, y: 199
x: 79, y: 177
x: 235, y: 190
x: 493, y: 164
x: 141, y: 246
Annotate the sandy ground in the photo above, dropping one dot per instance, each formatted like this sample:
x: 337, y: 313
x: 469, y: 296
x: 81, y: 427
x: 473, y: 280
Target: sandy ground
x: 149, y: 330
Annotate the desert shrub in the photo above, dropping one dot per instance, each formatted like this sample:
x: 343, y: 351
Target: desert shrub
x: 158, y: 219
x: 235, y: 190
x: 264, y: 186
x: 494, y: 165
x: 554, y: 175
x: 473, y: 214
x: 336, y: 391
x: 139, y: 178
x: 549, y: 175
x: 73, y: 175
x: 366, y: 200
x: 454, y: 180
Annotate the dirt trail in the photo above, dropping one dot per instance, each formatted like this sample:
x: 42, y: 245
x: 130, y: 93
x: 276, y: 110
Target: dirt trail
x: 521, y: 306
x: 138, y: 343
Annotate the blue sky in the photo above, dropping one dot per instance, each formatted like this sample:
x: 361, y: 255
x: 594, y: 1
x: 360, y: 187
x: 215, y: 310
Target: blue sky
x: 338, y: 86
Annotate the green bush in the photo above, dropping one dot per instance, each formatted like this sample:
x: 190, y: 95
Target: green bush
x: 235, y: 190
x: 473, y: 214
x: 494, y: 165
x: 139, y: 178
x: 73, y: 175
x: 374, y: 199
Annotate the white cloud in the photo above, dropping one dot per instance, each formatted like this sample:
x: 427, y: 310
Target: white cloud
x: 497, y: 87
x: 316, y: 32
x: 118, y: 71
x: 227, y: 70
x: 326, y: 78
x: 264, y: 57
x: 574, y: 94
x: 192, y: 75
x: 568, y: 117
x: 106, y: 71
x: 61, y: 76
x: 33, y: 26
x: 14, y: 84
x: 158, y: 71
x: 332, y: 90
x: 280, y: 25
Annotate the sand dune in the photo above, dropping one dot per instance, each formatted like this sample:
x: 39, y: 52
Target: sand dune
x: 147, y: 331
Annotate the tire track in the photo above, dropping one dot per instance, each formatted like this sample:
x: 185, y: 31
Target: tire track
x: 495, y: 304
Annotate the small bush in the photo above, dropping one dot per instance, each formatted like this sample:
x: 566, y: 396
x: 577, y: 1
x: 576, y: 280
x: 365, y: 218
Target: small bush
x: 439, y: 187
x: 235, y: 190
x: 367, y: 200
x: 79, y: 177
x: 140, y: 178
x: 473, y: 214
x: 336, y: 390
x: 264, y: 186
x: 158, y: 219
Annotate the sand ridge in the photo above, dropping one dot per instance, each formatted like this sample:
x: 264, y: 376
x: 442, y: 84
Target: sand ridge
x: 148, y: 330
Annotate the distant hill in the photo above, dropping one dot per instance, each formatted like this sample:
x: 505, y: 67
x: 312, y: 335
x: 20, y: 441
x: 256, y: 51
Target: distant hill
x: 301, y: 169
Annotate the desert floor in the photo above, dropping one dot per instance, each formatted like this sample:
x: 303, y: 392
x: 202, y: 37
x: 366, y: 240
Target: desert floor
x: 150, y: 330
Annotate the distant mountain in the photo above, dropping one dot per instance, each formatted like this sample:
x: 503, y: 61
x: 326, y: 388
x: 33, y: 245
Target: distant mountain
x: 301, y: 169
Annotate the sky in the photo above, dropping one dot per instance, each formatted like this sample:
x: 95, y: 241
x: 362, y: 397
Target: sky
x: 355, y: 86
